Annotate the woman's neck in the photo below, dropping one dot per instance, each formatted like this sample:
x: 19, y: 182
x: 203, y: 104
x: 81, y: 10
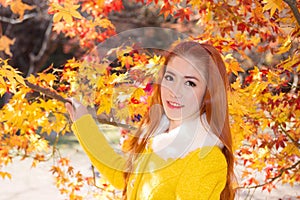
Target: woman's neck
x: 176, y: 123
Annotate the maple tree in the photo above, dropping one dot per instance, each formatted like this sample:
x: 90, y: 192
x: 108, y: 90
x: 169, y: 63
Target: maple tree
x: 260, y: 43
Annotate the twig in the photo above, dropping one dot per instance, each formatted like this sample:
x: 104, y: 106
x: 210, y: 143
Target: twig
x: 270, y: 180
x: 94, y: 177
x: 290, y: 137
x: 18, y: 21
x: 34, y: 58
x: 54, y: 95
x: 47, y: 92
x: 293, y: 5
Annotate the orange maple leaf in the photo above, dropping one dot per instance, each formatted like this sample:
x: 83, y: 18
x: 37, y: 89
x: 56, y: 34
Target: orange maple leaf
x: 235, y: 68
x: 167, y: 9
x: 5, y: 3
x: 18, y: 7
x: 5, y: 42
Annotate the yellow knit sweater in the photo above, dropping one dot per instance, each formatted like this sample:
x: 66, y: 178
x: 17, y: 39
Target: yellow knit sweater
x: 201, y: 174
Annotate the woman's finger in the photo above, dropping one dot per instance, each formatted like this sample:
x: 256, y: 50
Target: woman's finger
x: 70, y: 110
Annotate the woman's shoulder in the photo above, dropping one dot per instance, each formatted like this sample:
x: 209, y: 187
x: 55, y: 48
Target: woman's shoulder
x: 205, y: 160
x: 206, y: 154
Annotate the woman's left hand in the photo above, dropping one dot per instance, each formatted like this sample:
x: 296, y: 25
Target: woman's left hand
x: 76, y: 109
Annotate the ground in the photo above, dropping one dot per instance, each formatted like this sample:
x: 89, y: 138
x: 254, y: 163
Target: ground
x: 37, y: 183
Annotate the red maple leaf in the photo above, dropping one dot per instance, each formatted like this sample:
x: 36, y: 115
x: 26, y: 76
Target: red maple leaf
x: 167, y: 9
x: 183, y: 13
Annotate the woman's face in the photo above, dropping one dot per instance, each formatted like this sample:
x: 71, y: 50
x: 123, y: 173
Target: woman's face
x: 182, y: 89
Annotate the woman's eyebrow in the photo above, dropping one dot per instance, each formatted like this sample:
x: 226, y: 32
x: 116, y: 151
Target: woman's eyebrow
x: 187, y: 77
x: 192, y: 77
x: 170, y: 73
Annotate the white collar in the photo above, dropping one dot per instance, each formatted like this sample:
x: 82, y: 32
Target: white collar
x: 184, y: 139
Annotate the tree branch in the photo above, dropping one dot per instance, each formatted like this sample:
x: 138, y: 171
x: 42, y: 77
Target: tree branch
x: 34, y: 58
x: 270, y: 180
x: 46, y: 91
x: 293, y: 5
x: 290, y: 137
x: 54, y: 95
x: 18, y: 21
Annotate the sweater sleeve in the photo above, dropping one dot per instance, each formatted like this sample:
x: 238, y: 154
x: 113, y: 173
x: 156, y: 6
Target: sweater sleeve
x: 109, y: 163
x: 203, y: 180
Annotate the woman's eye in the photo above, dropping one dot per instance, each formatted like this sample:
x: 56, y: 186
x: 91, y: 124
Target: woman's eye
x: 190, y: 83
x: 169, y: 78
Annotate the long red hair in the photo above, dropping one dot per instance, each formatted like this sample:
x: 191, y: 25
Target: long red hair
x: 214, y: 104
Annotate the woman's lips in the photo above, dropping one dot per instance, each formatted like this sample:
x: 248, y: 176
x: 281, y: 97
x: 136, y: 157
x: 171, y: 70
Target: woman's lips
x: 174, y: 105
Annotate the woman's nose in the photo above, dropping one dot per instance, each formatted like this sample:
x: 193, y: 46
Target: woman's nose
x: 177, y: 91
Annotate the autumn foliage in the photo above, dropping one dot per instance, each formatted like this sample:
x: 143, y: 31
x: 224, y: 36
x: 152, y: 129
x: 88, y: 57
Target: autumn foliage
x: 259, y: 40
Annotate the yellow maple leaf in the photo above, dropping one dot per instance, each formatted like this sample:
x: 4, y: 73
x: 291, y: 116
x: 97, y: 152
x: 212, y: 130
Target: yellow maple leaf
x: 18, y: 7
x: 138, y: 93
x: 272, y: 5
x: 105, y: 105
x: 122, y: 114
x: 48, y: 78
x: 66, y: 12
x: 104, y: 23
x: 286, y: 46
x: 12, y: 75
x: 291, y: 62
x: 291, y: 149
x: 2, y: 91
x: 126, y: 61
x: 5, y: 174
x: 5, y: 43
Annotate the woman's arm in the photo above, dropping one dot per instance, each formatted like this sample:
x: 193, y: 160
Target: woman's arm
x: 110, y: 164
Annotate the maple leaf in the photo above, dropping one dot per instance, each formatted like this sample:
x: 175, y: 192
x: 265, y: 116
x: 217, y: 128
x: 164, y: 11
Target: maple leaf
x: 139, y: 1
x: 104, y: 23
x: 5, y: 43
x: 5, y: 3
x: 127, y: 61
x: 122, y: 113
x: 232, y: 65
x: 100, y: 2
x: 18, y: 7
x: 59, y: 27
x: 235, y: 68
x: 272, y: 5
x: 67, y: 12
x: 286, y: 46
x: 48, y: 78
x: 5, y: 174
x: 183, y: 13
x: 166, y: 10
x: 195, y: 3
x: 105, y: 105
x: 150, y: 1
x: 138, y: 93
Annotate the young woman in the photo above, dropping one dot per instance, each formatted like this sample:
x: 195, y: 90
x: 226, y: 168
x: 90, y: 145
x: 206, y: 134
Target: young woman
x: 183, y: 148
